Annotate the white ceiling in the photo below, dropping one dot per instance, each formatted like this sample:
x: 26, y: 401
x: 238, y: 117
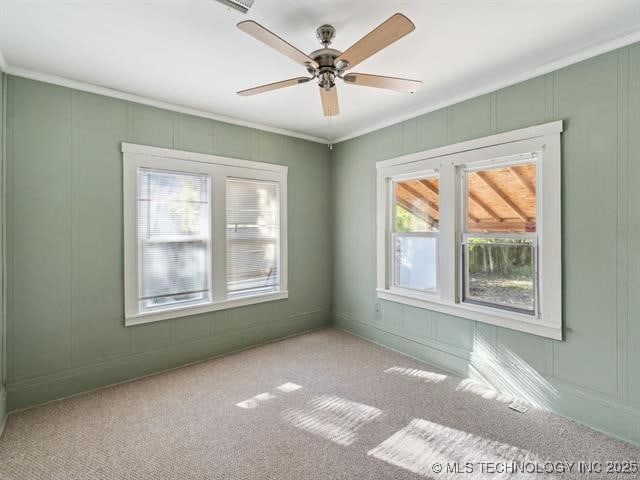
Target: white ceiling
x: 190, y: 53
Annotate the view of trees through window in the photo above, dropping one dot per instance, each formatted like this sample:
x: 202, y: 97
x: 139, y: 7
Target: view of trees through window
x: 500, y: 271
x: 498, y: 248
x: 409, y: 222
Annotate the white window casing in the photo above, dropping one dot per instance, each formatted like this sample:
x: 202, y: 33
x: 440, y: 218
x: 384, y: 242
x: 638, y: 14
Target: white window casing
x: 218, y: 171
x: 541, y: 142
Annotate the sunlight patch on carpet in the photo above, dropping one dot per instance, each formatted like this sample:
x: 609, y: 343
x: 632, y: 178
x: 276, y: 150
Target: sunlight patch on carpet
x: 434, y: 450
x: 333, y: 418
x: 289, y: 387
x: 416, y: 373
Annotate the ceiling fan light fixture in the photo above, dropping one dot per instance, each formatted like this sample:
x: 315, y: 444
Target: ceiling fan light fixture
x: 327, y: 80
x: 342, y: 65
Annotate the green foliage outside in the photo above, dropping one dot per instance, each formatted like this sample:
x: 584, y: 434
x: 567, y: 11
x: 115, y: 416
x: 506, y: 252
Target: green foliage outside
x: 508, y: 258
x: 410, y: 222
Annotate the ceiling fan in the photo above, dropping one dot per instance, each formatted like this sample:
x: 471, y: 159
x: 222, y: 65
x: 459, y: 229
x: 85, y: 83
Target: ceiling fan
x: 327, y: 64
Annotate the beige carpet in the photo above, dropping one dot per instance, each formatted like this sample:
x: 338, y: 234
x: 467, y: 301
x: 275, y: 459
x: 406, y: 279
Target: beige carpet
x: 325, y: 405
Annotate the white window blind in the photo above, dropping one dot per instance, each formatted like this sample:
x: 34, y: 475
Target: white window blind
x: 201, y: 233
x: 174, y: 244
x: 252, y: 236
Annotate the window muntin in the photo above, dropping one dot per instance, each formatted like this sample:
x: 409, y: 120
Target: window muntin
x: 499, y: 243
x: 174, y: 244
x: 414, y: 243
x: 253, y: 229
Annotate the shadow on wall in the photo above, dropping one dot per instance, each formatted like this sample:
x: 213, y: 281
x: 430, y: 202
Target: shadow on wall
x: 500, y: 374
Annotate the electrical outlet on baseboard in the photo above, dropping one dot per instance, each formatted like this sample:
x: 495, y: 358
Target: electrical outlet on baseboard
x: 378, y: 311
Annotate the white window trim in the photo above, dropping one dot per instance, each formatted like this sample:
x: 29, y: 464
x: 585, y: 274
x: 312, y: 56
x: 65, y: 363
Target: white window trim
x: 220, y: 168
x: 542, y: 139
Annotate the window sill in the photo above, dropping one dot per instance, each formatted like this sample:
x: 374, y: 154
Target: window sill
x: 147, y: 317
x: 500, y: 318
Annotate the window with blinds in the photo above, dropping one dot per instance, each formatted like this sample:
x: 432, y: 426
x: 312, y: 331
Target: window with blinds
x: 174, y: 239
x: 253, y: 229
x: 201, y: 233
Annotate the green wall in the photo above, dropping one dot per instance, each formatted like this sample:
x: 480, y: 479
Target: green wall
x: 3, y: 396
x: 64, y: 302
x: 592, y: 376
x: 66, y: 330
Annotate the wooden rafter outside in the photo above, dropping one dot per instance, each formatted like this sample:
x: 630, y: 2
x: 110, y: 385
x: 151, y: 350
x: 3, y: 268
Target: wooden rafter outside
x: 414, y: 193
x: 487, y: 181
x: 430, y: 186
x: 410, y: 208
x: 474, y: 198
x: 523, y: 180
x: 493, y: 226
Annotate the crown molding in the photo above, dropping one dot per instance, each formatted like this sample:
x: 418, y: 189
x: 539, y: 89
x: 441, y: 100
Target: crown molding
x: 131, y: 97
x: 598, y: 49
x: 604, y: 47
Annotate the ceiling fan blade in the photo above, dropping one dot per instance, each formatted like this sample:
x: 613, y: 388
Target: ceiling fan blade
x: 396, y: 27
x: 258, y: 32
x: 330, y: 101
x: 273, y: 86
x: 378, y: 81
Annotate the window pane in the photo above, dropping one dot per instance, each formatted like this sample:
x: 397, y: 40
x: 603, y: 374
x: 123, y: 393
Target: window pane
x: 502, y: 199
x: 173, y: 272
x: 415, y: 259
x: 252, y: 237
x: 172, y: 204
x: 173, y: 238
x: 500, y: 272
x: 417, y: 205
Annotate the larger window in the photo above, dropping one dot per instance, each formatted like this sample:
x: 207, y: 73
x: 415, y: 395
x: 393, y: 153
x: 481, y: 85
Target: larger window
x: 473, y: 230
x: 202, y: 233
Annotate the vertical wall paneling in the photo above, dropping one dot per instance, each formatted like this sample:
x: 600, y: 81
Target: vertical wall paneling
x: 3, y: 258
x: 622, y: 312
x: 587, y: 96
x: 39, y: 255
x: 98, y: 126
x: 592, y: 375
x: 66, y: 330
x: 633, y: 229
